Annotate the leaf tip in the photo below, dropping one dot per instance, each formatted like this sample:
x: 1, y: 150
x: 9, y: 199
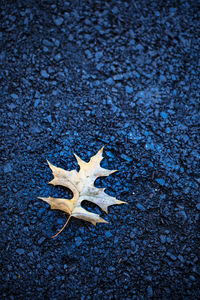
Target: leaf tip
x: 121, y: 202
x: 41, y: 198
x: 114, y: 171
x: 51, y: 182
x: 52, y: 167
x: 44, y: 199
x: 106, y: 222
x: 101, y: 220
x: 100, y: 152
x: 48, y: 163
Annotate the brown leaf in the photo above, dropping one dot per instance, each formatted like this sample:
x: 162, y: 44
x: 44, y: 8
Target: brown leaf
x: 82, y: 185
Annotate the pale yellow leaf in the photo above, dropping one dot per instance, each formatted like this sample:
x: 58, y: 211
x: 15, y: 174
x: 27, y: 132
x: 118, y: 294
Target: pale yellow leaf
x: 82, y: 186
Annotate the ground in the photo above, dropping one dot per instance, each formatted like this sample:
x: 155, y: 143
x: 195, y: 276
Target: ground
x: 77, y: 75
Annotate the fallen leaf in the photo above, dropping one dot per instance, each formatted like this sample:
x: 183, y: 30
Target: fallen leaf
x: 82, y: 185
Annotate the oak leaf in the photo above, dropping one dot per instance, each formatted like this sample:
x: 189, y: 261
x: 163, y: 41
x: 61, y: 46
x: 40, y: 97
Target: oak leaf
x: 82, y: 185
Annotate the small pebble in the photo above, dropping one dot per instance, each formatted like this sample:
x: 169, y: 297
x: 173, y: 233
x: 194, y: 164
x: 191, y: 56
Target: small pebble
x: 41, y: 240
x: 20, y: 251
x: 78, y: 241
x: 58, y: 21
x: 161, y: 181
x: 44, y: 74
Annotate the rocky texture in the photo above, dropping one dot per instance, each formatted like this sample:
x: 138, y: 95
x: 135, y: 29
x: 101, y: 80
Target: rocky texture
x: 77, y: 75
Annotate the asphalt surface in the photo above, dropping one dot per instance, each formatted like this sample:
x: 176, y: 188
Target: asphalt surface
x: 77, y: 75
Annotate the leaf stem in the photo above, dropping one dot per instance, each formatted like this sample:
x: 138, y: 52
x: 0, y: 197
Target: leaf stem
x: 62, y: 228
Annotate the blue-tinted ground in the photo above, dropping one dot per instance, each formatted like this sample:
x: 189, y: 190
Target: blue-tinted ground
x: 76, y: 76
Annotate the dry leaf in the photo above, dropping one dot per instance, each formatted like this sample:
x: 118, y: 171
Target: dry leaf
x: 82, y: 185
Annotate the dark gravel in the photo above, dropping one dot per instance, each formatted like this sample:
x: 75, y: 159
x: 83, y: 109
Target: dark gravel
x: 77, y: 75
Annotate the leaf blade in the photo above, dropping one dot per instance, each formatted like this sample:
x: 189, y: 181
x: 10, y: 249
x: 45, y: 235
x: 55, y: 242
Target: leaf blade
x: 82, y: 185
